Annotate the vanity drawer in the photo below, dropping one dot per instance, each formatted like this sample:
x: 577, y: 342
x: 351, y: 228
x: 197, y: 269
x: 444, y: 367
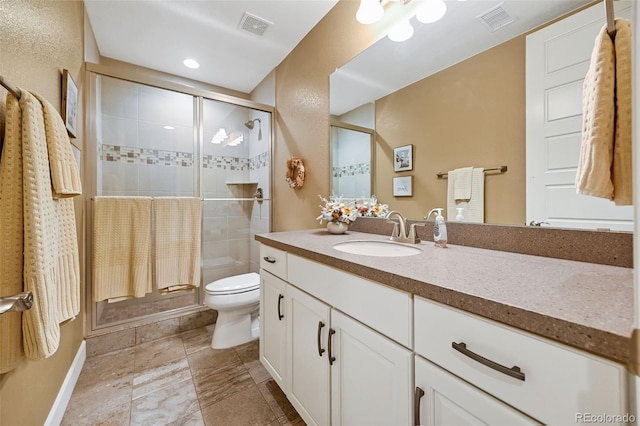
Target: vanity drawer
x: 274, y: 261
x: 382, y: 308
x: 559, y: 382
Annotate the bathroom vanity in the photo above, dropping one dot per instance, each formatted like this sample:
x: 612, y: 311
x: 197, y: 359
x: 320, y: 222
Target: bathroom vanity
x: 446, y: 336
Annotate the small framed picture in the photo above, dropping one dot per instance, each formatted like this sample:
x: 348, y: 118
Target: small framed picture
x: 403, y: 158
x: 69, y: 103
x: 403, y: 186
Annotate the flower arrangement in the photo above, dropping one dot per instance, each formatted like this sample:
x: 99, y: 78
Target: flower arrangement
x: 337, y: 211
x: 334, y: 210
x: 372, y: 208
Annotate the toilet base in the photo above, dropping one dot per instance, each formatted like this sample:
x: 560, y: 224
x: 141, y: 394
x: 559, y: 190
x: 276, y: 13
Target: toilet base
x: 234, y: 329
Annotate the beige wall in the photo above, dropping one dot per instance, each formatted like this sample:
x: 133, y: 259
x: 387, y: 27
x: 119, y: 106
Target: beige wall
x: 37, y: 40
x: 471, y: 114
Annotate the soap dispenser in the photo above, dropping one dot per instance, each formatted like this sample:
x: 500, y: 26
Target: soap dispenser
x: 459, y: 216
x: 439, y: 229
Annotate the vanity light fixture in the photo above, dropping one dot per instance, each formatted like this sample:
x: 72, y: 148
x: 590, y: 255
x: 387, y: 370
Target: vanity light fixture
x: 191, y: 63
x: 369, y: 12
x: 168, y: 127
x: 220, y: 136
x: 431, y: 11
x: 401, y: 31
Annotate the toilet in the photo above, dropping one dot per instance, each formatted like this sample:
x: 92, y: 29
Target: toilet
x: 237, y: 300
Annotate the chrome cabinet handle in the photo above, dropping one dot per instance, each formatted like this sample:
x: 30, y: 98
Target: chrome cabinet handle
x: 320, y: 350
x: 280, y: 316
x: 419, y: 393
x: 331, y: 357
x: 269, y: 259
x: 513, y: 371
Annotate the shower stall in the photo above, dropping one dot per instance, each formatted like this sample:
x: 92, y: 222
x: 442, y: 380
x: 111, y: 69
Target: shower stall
x: 171, y: 141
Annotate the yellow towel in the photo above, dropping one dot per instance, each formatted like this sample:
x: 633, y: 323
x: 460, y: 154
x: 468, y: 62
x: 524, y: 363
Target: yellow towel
x: 51, y: 264
x: 474, y: 207
x: 65, y: 177
x: 11, y: 230
x: 178, y: 236
x: 622, y: 176
x: 606, y: 105
x: 121, y: 247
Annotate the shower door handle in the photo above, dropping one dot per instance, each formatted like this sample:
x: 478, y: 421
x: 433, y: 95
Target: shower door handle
x: 17, y: 303
x: 280, y: 316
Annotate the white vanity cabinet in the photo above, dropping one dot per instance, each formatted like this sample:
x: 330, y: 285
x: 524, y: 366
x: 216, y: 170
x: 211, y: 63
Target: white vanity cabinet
x: 545, y: 381
x: 347, y: 339
x: 444, y: 399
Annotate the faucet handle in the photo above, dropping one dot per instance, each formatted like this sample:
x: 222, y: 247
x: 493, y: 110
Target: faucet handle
x: 395, y: 232
x: 412, y: 231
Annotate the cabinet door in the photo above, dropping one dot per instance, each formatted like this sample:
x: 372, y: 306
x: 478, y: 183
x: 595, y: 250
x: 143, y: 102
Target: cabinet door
x: 308, y: 370
x: 371, y: 376
x: 273, y: 331
x: 448, y: 400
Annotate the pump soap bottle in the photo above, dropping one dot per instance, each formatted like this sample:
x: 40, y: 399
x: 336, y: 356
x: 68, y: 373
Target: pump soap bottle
x: 439, y: 229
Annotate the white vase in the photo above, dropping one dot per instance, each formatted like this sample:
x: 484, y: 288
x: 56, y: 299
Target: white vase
x: 337, y: 227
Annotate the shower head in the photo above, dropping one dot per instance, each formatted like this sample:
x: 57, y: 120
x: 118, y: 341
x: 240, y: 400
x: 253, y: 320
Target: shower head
x: 252, y: 123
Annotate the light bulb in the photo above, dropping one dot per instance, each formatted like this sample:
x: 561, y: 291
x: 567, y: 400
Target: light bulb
x: 431, y: 11
x: 369, y: 12
x: 191, y: 63
x: 401, y: 31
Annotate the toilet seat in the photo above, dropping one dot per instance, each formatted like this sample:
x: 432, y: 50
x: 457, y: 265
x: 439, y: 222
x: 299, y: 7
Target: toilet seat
x: 236, y: 284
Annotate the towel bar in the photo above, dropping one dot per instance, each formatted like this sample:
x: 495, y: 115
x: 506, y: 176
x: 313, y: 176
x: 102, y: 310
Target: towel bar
x: 498, y: 170
x: 20, y: 302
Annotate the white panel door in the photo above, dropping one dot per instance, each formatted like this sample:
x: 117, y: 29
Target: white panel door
x: 308, y: 375
x: 273, y: 330
x: 557, y: 59
x: 449, y: 400
x: 371, y: 376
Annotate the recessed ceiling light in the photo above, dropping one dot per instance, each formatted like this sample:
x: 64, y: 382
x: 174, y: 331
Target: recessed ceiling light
x: 169, y: 128
x: 191, y: 63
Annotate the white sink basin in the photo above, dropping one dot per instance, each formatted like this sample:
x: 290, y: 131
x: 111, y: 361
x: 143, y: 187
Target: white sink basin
x: 377, y: 248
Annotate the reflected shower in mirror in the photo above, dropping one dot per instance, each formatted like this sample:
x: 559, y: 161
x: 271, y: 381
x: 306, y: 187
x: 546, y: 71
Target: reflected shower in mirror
x: 350, y: 162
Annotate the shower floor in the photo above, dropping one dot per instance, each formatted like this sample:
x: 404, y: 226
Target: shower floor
x: 110, y: 313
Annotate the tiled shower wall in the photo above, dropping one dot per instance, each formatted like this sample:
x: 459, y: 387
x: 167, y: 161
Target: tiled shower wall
x: 351, y: 163
x: 139, y: 155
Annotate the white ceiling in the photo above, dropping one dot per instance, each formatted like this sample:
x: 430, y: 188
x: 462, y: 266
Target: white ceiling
x: 160, y: 34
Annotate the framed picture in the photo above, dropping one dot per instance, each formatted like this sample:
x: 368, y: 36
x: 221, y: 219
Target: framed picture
x: 403, y: 158
x: 403, y: 186
x: 69, y: 103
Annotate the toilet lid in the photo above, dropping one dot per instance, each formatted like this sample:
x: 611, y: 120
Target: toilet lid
x: 235, y: 284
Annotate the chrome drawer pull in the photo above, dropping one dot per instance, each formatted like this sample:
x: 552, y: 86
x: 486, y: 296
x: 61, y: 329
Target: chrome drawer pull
x: 269, y: 259
x: 320, y: 349
x: 513, y: 371
x: 416, y: 405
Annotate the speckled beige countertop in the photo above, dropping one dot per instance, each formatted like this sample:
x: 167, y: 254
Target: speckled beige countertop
x: 585, y: 305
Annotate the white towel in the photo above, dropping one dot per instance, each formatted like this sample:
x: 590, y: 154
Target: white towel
x: 178, y: 241
x: 474, y: 207
x: 461, y: 179
x: 604, y: 167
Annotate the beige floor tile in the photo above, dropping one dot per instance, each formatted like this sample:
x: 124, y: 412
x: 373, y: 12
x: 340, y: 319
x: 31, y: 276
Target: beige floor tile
x: 197, y: 340
x: 161, y: 376
x: 207, y: 361
x: 165, y: 405
x: 277, y: 400
x: 97, y: 412
x: 245, y: 408
x: 222, y: 383
x: 249, y: 351
x: 194, y: 419
x: 158, y: 352
x: 258, y: 373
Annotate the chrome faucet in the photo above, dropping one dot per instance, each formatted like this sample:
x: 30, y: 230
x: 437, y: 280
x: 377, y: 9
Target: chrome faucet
x: 399, y: 232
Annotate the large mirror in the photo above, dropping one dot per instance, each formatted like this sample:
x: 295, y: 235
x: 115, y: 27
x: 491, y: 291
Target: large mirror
x: 457, y: 92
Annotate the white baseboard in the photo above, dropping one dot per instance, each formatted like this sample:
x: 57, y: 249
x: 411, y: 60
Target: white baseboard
x: 64, y: 395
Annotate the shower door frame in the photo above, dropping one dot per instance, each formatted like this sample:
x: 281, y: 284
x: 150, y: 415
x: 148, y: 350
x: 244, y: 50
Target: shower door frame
x: 200, y: 91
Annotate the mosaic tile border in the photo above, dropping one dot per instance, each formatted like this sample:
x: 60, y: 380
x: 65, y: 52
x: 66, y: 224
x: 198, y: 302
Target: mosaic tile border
x: 352, y: 170
x: 133, y: 155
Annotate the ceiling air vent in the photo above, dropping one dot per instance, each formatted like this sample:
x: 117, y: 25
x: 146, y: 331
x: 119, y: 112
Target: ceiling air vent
x: 254, y: 24
x: 496, y: 18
